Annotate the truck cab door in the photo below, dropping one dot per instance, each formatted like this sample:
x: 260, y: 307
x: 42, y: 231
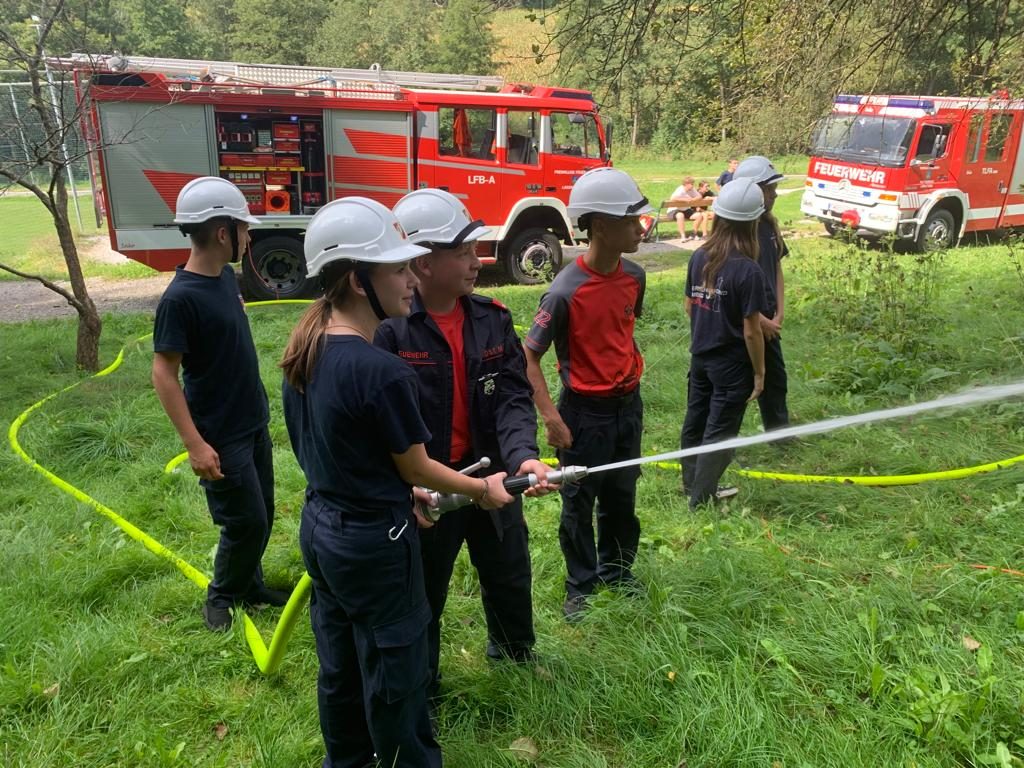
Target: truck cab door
x: 929, y: 162
x: 573, y: 147
x: 467, y: 159
x: 1013, y: 203
x: 988, y: 166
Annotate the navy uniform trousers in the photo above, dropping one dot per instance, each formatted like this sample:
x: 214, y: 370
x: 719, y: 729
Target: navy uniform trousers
x: 498, y: 544
x: 242, y: 504
x: 369, y: 615
x: 604, y: 430
x: 718, y: 386
x: 772, y: 401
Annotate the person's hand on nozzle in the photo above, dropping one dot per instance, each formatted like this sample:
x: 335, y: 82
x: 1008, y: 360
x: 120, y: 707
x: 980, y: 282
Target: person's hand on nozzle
x: 420, y: 505
x: 540, y: 469
x: 492, y: 493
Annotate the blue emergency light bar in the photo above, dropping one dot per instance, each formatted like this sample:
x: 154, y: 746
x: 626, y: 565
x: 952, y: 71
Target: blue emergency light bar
x: 925, y: 104
x: 912, y: 103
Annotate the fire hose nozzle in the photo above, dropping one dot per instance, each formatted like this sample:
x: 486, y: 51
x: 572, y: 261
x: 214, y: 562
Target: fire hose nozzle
x: 441, y: 502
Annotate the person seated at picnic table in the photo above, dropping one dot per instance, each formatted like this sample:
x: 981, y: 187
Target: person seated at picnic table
x: 683, y: 193
x: 702, y: 216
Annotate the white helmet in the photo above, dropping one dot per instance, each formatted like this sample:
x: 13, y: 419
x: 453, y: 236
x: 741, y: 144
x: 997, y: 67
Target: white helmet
x: 211, y: 197
x: 436, y: 217
x: 608, y: 191
x: 356, y: 229
x: 758, y: 168
x: 739, y: 200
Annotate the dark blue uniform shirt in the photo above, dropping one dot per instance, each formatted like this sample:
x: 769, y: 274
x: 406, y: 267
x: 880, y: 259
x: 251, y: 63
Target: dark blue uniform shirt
x: 360, y: 407
x: 203, y: 318
x: 717, y: 312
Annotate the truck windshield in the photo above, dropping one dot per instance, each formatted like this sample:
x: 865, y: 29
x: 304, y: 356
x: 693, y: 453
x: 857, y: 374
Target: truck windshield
x: 864, y: 138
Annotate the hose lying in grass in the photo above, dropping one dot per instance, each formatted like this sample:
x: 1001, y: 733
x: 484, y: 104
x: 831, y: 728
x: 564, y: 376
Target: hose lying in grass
x: 268, y: 658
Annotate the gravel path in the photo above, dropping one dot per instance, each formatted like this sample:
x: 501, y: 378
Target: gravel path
x: 23, y: 300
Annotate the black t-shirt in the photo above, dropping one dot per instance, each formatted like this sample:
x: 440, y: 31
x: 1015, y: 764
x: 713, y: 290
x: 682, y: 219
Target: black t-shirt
x: 360, y: 407
x: 204, y: 319
x: 716, y: 314
x: 773, y: 250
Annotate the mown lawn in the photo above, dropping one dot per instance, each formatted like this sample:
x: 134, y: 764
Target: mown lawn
x: 799, y: 626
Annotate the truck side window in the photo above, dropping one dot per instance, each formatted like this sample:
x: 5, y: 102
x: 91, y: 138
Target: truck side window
x: 574, y: 133
x: 998, y: 132
x: 974, y: 138
x: 932, y: 143
x: 467, y: 133
x: 523, y: 137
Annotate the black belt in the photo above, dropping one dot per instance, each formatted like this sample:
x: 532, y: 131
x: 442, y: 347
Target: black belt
x: 598, y: 404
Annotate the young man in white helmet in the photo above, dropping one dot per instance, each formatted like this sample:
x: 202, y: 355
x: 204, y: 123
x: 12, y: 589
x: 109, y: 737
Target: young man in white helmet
x: 476, y: 401
x: 354, y: 422
x: 725, y: 297
x: 221, y: 415
x: 772, y: 402
x: 589, y: 313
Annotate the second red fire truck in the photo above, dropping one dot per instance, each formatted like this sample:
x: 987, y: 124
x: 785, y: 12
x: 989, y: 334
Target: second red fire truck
x: 294, y: 138
x: 922, y: 169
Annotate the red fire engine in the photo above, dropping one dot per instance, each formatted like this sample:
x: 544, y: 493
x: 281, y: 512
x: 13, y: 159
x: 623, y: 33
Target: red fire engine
x: 924, y: 169
x: 294, y: 138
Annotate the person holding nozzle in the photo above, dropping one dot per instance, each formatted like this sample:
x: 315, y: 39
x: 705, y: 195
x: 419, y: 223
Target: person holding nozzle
x: 772, y: 250
x: 221, y: 412
x: 725, y: 299
x: 589, y: 313
x: 476, y: 402
x: 353, y: 418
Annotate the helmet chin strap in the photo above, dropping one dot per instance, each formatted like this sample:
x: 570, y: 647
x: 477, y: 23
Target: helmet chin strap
x: 363, y: 276
x: 233, y: 228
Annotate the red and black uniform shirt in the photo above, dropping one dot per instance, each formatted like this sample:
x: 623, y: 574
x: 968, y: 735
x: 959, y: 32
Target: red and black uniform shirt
x: 590, y: 318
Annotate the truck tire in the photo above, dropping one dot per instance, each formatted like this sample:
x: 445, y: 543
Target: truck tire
x: 533, y: 256
x: 277, y: 270
x: 937, y: 232
x: 831, y: 227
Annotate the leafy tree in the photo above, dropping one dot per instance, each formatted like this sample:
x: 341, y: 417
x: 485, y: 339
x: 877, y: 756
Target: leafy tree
x: 23, y: 49
x: 397, y: 34
x: 275, y: 31
x: 466, y: 41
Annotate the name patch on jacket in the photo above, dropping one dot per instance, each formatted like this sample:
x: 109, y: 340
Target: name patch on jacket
x: 493, y: 352
x: 410, y: 355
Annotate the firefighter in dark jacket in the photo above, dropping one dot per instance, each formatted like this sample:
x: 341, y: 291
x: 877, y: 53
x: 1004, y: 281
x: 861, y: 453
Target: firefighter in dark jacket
x: 477, y: 401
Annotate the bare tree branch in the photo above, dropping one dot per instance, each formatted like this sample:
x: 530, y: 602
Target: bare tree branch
x: 68, y: 296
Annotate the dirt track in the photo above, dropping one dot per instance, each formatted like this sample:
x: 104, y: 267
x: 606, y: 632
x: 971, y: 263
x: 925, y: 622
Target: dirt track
x: 21, y: 301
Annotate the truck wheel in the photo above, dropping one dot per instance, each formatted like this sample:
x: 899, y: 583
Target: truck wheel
x: 533, y: 256
x: 936, y: 233
x: 277, y: 270
x: 831, y: 227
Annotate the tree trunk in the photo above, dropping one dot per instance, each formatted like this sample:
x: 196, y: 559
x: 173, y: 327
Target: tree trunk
x: 87, y: 349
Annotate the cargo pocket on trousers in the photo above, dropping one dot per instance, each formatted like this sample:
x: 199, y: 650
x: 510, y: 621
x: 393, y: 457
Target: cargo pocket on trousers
x: 402, y: 655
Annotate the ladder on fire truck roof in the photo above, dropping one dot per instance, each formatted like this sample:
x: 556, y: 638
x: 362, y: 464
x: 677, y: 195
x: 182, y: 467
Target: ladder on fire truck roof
x: 280, y: 75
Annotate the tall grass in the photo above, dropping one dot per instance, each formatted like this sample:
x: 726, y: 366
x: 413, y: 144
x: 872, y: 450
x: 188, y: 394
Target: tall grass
x: 798, y: 626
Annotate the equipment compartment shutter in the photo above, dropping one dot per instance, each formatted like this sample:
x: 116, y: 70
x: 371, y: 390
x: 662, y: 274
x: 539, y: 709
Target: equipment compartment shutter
x: 371, y: 154
x: 150, y: 152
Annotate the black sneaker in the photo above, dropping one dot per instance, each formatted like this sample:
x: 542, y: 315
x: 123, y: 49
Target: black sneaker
x: 216, y: 617
x: 574, y: 608
x: 517, y: 655
x: 723, y: 492
x: 263, y: 597
x: 726, y: 492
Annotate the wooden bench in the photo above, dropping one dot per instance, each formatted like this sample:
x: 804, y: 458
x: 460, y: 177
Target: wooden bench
x: 662, y: 216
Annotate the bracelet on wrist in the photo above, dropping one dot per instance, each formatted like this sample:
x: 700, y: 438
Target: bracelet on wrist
x: 483, y: 496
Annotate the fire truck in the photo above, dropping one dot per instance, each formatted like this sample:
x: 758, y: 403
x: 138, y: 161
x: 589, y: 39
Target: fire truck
x: 923, y: 169
x: 294, y: 138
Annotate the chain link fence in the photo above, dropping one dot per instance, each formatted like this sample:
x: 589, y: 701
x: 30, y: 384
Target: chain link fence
x: 22, y: 138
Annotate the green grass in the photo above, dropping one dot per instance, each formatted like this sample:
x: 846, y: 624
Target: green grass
x: 29, y: 242
x: 800, y: 626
